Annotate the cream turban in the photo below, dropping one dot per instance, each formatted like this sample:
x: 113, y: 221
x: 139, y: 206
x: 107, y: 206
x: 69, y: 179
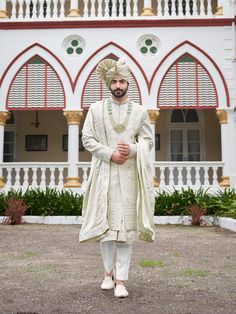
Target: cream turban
x: 108, y: 68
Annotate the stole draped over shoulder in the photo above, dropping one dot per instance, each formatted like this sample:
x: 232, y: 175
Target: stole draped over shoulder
x: 119, y: 199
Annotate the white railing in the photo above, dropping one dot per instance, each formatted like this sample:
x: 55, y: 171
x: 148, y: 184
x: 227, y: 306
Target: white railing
x: 188, y: 174
x: 53, y: 174
x: 37, y: 9
x: 83, y: 170
x: 34, y: 175
x: 30, y: 10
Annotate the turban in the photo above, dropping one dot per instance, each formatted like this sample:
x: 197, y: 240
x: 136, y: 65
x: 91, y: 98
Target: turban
x: 108, y: 68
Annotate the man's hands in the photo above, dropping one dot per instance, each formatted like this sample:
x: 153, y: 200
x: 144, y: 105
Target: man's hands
x: 123, y: 148
x: 121, y: 154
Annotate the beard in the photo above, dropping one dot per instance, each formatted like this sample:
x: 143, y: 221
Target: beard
x: 119, y: 93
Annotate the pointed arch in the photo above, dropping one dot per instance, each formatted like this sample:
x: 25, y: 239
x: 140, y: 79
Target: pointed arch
x: 107, y: 50
x: 187, y: 84
x: 39, y: 48
x: 27, y: 54
x: 203, y: 58
x: 96, y: 90
x: 36, y: 85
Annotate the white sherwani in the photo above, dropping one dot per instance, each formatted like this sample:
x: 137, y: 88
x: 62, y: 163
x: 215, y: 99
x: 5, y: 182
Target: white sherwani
x: 119, y: 200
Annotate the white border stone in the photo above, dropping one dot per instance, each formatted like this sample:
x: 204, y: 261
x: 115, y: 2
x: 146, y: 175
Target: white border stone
x: 226, y: 223
x: 222, y: 222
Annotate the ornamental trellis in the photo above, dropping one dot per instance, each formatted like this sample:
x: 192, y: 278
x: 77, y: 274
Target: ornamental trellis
x: 187, y: 83
x: 36, y: 86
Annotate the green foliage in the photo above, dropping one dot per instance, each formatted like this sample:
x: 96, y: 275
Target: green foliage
x: 67, y: 203
x: 177, y: 202
x: 46, y: 203
x: 221, y: 203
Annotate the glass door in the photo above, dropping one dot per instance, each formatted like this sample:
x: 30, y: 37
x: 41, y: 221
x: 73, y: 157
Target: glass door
x: 185, y: 144
x: 9, y: 153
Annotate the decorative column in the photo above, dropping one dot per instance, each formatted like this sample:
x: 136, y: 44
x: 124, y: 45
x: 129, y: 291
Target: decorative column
x: 153, y: 116
x: 3, y: 9
x: 73, y: 121
x: 4, y: 116
x: 147, y: 10
x: 223, y: 120
x: 74, y: 9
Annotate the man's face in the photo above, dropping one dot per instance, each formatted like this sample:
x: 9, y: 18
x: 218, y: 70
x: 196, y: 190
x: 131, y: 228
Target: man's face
x: 119, y: 87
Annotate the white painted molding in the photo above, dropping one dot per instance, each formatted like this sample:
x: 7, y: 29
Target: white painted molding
x: 51, y: 220
x: 222, y: 222
x: 225, y: 223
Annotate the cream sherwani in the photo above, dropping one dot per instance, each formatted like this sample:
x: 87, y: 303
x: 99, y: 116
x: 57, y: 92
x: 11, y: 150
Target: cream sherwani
x: 119, y: 200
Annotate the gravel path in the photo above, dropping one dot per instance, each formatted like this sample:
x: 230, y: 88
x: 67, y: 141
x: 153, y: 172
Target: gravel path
x: 44, y: 269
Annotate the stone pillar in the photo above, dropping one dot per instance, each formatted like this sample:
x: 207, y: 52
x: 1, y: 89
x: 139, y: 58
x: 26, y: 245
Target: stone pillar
x: 153, y: 116
x: 74, y: 9
x: 73, y: 120
x: 4, y: 115
x: 147, y: 10
x: 225, y: 143
x: 3, y: 9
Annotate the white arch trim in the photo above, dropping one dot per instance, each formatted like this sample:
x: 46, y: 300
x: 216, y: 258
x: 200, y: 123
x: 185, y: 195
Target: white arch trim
x: 100, y: 54
x: 21, y: 60
x: 203, y: 59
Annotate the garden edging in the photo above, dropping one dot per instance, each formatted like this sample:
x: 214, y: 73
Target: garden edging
x: 223, y: 222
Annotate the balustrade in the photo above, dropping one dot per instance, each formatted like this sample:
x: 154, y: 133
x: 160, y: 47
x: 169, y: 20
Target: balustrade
x: 113, y: 9
x: 188, y: 174
x: 168, y: 174
x: 34, y: 175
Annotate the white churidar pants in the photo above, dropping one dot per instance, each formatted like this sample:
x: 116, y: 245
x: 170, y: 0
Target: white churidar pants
x: 123, y: 256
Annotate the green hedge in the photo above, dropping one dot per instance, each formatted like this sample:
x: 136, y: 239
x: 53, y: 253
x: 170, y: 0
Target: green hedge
x: 46, y: 203
x: 221, y: 203
x: 65, y: 203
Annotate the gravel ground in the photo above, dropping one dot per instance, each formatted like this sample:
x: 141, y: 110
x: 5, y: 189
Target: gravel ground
x: 44, y: 269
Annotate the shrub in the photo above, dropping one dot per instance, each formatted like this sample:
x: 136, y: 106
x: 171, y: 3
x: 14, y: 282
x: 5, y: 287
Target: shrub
x: 65, y: 202
x: 47, y: 202
x: 197, y: 213
x: 221, y: 203
x: 53, y: 202
x: 14, y: 211
x: 177, y: 202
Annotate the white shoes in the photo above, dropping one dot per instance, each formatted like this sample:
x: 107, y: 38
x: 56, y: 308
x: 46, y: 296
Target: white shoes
x: 120, y: 291
x: 108, y: 283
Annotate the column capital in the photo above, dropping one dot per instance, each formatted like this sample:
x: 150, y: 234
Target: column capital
x: 222, y: 116
x: 73, y: 117
x: 153, y: 115
x: 4, y: 116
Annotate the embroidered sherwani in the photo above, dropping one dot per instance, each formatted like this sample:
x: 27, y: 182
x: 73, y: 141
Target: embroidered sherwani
x: 113, y: 204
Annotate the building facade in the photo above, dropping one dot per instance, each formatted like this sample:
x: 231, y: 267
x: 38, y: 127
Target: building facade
x: 182, y: 55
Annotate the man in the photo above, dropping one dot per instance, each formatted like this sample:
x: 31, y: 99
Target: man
x: 119, y: 200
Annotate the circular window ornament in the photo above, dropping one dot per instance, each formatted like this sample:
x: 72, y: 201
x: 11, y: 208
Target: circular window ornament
x: 73, y: 45
x: 148, y: 45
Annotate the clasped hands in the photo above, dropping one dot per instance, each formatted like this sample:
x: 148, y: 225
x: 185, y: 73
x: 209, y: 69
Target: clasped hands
x: 121, y: 153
